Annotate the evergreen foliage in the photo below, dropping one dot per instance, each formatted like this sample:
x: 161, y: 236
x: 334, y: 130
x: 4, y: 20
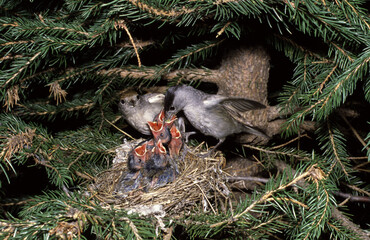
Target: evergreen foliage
x: 59, y: 99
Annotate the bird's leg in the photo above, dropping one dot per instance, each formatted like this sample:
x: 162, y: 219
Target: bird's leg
x: 187, y: 135
x: 209, y: 153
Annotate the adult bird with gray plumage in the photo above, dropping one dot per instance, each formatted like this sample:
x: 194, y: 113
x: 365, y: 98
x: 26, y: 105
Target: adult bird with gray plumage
x: 138, y: 110
x: 211, y: 114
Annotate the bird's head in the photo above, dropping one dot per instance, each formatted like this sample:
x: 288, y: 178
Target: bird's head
x: 174, y: 101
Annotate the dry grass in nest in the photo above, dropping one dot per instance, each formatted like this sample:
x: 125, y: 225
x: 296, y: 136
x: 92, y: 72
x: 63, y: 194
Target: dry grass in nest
x: 200, y: 186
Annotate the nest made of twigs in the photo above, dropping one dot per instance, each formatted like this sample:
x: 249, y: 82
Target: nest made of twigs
x: 200, y: 186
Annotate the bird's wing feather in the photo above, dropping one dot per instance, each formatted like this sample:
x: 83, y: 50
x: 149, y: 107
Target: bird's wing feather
x: 212, y: 100
x: 156, y: 98
x: 241, y: 104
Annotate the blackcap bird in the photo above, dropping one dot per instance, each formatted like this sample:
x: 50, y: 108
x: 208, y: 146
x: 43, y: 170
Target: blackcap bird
x: 137, y: 110
x: 211, y: 114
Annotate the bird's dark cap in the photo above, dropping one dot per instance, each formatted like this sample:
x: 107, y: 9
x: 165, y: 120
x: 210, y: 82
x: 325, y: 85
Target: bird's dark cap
x: 170, y: 95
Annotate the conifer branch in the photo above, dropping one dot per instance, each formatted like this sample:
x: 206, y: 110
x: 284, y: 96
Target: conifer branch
x: 21, y: 69
x: 319, y: 90
x: 343, y: 52
x: 196, y: 50
x: 18, y: 42
x: 160, y: 12
x: 58, y: 93
x: 357, y: 14
x: 342, y: 81
x: 12, y: 97
x: 266, y: 196
x: 335, y: 151
x: 133, y: 227
x: 10, y: 57
x: 277, y: 152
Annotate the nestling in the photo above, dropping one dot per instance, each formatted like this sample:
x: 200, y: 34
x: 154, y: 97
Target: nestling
x: 161, y: 129
x: 137, y: 157
x: 176, y: 142
x: 158, y: 158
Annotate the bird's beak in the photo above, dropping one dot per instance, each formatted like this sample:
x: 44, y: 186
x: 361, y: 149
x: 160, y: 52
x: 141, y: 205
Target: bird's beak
x: 161, y: 116
x: 171, y: 115
x: 161, y: 148
x: 170, y: 122
x: 155, y: 126
x: 140, y: 150
x: 175, y: 133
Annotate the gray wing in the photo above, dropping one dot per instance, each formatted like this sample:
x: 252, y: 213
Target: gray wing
x: 236, y: 106
x: 241, y: 104
x: 155, y: 98
x: 232, y: 104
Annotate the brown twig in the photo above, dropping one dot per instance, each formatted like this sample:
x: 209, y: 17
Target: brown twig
x: 293, y: 140
x: 336, y: 214
x: 352, y: 198
x: 275, y: 152
x: 247, y: 178
x: 354, y: 132
x: 128, y: 135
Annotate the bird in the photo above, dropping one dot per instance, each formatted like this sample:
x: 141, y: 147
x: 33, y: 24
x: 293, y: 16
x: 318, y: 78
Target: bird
x: 137, y: 110
x: 161, y: 129
x: 162, y: 177
x: 160, y: 116
x: 174, y: 146
x: 131, y: 181
x: 138, y: 157
x: 158, y: 159
x: 211, y: 114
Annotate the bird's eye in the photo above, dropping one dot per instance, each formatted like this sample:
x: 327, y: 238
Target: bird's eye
x: 161, y: 134
x: 122, y: 101
x: 172, y: 108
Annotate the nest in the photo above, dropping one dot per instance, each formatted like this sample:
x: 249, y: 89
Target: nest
x: 200, y: 186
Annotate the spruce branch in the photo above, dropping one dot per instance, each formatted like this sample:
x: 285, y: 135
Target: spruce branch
x: 364, y: 21
x: 265, y: 196
x: 334, y: 94
x: 201, y: 50
x: 58, y: 93
x: 335, y: 148
x: 146, y: 7
x: 335, y: 213
x: 283, y: 153
x: 12, y: 97
x: 20, y: 70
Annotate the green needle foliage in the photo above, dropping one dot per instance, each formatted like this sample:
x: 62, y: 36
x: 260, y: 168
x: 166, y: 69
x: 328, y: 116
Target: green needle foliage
x: 63, y: 65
